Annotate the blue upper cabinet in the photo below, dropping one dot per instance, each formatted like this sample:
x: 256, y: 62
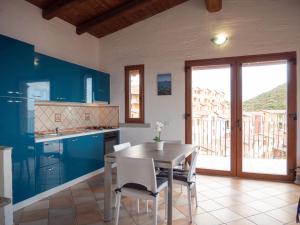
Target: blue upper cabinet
x: 16, y: 63
x: 66, y: 82
x: 101, y: 87
x: 70, y: 82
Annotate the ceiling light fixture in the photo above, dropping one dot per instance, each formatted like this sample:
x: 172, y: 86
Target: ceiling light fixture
x: 219, y: 39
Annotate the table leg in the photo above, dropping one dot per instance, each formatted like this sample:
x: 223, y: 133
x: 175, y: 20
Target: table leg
x: 170, y: 196
x: 107, y: 191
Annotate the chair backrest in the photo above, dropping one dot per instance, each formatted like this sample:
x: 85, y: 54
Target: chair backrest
x: 192, y: 169
x: 122, y: 146
x: 172, y: 141
x: 137, y: 171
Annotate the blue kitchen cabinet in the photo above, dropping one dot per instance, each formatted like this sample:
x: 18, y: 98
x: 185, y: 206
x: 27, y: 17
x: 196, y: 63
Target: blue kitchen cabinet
x: 47, y: 153
x: 17, y: 132
x: 17, y: 113
x: 47, y: 165
x: 66, y: 80
x: 81, y: 155
x: 101, y: 87
x: 16, y: 63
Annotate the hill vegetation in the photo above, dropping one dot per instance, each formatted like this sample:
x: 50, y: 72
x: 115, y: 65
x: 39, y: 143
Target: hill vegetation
x: 274, y: 99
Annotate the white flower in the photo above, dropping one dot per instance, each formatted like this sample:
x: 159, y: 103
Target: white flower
x: 159, y: 126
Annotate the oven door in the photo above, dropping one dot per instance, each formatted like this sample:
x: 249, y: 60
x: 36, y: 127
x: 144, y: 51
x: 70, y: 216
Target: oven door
x: 109, y: 143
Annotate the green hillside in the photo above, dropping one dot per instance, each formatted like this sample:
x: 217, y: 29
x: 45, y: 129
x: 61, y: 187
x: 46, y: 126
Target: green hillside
x: 274, y: 99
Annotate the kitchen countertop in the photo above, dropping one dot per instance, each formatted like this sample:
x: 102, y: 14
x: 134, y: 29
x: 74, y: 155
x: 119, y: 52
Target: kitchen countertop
x: 4, y: 202
x: 49, y: 137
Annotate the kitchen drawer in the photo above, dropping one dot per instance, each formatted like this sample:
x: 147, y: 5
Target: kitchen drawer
x: 47, y: 153
x: 47, y: 177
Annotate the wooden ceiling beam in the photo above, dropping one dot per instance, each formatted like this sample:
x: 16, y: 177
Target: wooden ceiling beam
x: 115, y: 12
x: 213, y: 5
x: 57, y: 6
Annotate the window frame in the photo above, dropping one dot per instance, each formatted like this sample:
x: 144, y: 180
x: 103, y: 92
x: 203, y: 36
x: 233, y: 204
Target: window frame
x: 141, y: 119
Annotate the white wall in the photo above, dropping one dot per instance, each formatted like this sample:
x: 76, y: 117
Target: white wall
x: 23, y: 21
x: 165, y: 41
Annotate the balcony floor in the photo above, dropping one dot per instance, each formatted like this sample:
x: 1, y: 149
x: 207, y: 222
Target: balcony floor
x: 266, y: 166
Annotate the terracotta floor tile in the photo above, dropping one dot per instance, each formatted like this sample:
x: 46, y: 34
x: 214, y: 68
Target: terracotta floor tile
x: 225, y: 215
x: 61, y: 202
x: 244, y: 210
x: 240, y: 222
x: 63, y: 220
x: 210, y: 205
x: 263, y: 219
x: 44, y: 204
x: 221, y: 200
x: 59, y: 212
x: 36, y: 222
x: 28, y: 216
x: 206, y: 219
x: 89, y: 218
x: 282, y: 215
x: 261, y: 206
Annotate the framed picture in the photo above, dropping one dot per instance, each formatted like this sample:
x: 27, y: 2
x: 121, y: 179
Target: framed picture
x: 164, y: 84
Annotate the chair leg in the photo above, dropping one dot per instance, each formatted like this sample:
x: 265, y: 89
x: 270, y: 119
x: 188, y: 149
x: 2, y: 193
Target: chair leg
x: 138, y: 205
x: 155, y: 210
x: 118, y: 200
x: 147, y: 208
x: 190, y: 202
x: 166, y: 203
x: 196, y: 199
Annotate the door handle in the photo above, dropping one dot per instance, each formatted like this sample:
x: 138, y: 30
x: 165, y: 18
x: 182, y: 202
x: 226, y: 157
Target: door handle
x: 238, y: 124
x: 293, y: 116
x: 187, y: 115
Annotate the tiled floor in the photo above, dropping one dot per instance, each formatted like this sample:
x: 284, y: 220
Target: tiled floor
x: 222, y: 200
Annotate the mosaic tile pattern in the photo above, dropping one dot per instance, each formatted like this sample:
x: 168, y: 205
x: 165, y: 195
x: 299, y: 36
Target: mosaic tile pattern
x: 48, y: 117
x: 221, y: 200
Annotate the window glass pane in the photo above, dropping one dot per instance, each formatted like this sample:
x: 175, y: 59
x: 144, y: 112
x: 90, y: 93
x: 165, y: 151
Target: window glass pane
x: 134, y: 94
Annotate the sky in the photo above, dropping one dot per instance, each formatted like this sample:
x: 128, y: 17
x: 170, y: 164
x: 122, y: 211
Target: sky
x: 256, y: 79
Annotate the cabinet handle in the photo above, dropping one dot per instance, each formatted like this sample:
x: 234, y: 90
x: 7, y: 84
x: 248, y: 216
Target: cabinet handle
x: 95, y: 136
x: 75, y: 140
x: 50, y: 156
x: 50, y: 169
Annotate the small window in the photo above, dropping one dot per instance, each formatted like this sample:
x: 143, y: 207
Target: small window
x: 134, y: 94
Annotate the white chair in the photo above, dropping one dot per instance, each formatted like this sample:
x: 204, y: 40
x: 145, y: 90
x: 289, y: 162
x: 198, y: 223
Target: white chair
x: 136, y: 178
x: 120, y: 147
x: 186, y: 178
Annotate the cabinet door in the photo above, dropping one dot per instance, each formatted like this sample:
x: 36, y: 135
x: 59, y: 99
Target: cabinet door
x: 81, y: 155
x: 66, y: 81
x: 47, y: 177
x: 16, y: 60
x: 70, y: 161
x: 101, y: 87
x: 47, y: 153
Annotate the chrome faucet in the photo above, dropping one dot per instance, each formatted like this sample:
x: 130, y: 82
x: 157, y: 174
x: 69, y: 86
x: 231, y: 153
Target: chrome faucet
x: 56, y: 130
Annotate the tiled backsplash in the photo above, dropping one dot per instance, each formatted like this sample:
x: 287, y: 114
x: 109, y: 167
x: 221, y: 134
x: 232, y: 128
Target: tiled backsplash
x: 64, y: 116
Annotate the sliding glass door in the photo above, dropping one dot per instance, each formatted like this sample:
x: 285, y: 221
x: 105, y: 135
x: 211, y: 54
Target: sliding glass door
x: 241, y: 113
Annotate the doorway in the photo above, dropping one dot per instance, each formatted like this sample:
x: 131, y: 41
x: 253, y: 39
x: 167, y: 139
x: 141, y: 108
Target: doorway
x: 241, y: 112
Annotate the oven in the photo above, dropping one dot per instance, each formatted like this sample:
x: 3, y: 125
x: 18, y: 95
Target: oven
x: 110, y: 139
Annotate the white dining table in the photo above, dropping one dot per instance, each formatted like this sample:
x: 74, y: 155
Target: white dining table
x: 168, y: 158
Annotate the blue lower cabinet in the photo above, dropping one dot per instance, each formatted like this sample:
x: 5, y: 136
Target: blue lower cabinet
x: 47, y: 153
x: 81, y: 155
x: 47, y: 177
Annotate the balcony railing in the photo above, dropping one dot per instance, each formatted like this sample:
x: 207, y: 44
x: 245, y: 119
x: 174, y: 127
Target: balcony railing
x: 264, y: 135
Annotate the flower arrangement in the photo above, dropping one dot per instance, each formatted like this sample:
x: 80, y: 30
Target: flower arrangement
x: 159, y: 127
